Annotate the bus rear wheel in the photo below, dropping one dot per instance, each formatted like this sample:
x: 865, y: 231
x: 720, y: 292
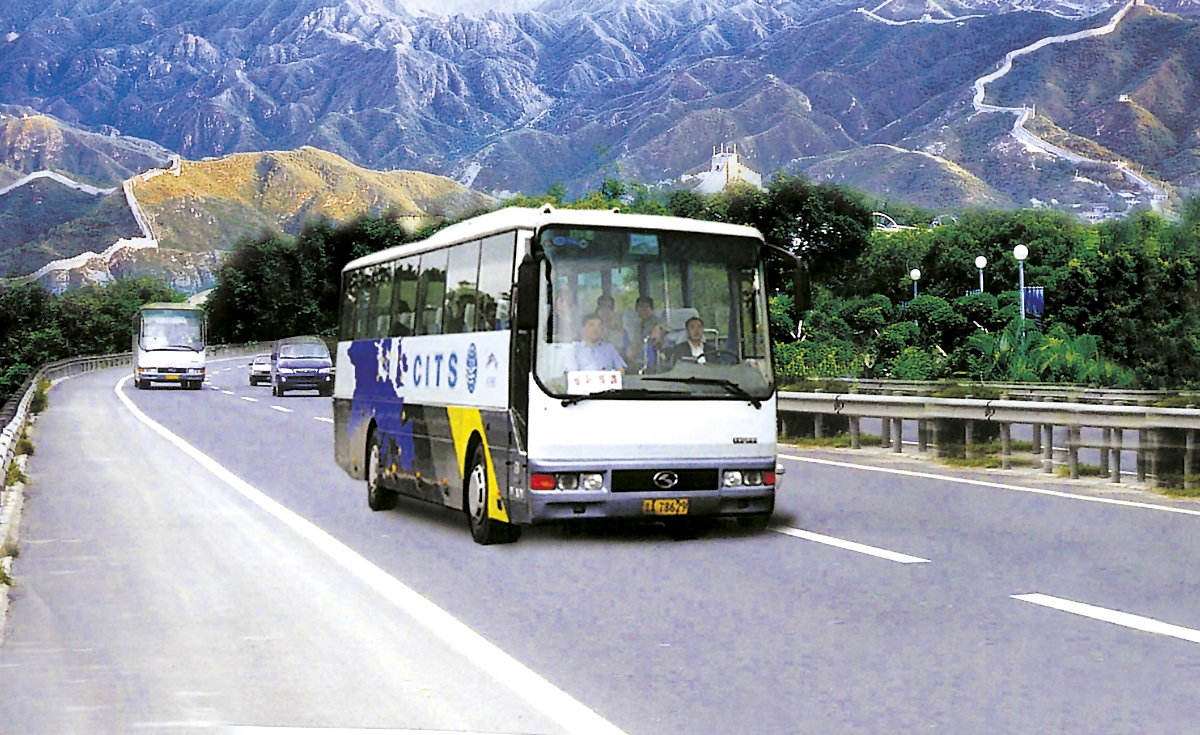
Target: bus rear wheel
x: 484, y: 529
x: 378, y: 497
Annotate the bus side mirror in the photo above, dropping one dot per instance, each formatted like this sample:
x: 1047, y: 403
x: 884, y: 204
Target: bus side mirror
x: 803, y: 287
x: 527, y: 294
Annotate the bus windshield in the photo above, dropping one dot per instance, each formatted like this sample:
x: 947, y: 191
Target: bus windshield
x: 652, y: 314
x: 171, y: 329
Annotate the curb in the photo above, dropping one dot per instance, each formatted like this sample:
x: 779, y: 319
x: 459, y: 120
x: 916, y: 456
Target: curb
x: 11, y: 500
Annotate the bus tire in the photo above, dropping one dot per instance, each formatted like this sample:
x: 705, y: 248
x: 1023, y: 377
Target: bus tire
x: 378, y: 497
x: 484, y: 529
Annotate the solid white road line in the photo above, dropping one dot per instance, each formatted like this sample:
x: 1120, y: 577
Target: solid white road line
x: 1137, y: 622
x: 536, y: 691
x: 849, y: 545
x: 243, y: 730
x: 281, y: 408
x: 998, y: 485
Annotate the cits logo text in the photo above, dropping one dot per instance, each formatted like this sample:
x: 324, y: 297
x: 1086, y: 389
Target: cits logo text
x: 472, y: 368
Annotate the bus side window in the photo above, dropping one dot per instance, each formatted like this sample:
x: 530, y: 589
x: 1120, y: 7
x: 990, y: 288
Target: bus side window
x: 431, y: 292
x: 379, y: 320
x: 495, y: 281
x: 404, y: 296
x: 462, y: 274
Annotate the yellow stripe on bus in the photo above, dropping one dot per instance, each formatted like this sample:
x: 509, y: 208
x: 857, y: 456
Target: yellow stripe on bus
x: 464, y: 422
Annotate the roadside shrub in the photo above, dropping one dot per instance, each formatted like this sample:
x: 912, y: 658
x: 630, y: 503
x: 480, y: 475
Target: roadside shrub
x: 40, y: 399
x: 14, y: 475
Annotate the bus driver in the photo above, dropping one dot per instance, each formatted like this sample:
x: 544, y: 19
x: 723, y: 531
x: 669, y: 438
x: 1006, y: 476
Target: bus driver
x: 691, y: 349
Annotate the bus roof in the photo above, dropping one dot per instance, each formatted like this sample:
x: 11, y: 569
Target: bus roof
x: 513, y: 218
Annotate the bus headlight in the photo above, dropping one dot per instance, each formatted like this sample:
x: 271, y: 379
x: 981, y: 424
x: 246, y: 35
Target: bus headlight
x: 568, y: 481
x: 752, y: 477
x: 733, y: 478
x: 593, y: 481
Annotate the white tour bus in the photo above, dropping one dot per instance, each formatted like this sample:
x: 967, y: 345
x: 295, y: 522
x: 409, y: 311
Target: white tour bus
x: 540, y: 365
x: 168, y: 345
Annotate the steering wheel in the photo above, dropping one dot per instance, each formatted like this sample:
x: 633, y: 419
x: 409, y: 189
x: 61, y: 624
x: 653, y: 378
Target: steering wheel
x: 721, y: 357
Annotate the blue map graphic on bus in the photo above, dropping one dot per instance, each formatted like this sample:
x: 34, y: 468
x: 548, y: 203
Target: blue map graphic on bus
x: 379, y: 367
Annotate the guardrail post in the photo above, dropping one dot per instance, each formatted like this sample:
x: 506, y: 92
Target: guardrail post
x: 1048, y: 450
x: 1143, y: 446
x: 1105, y: 440
x: 885, y: 431
x: 969, y: 434
x: 1037, y: 439
x: 1006, y: 446
x: 855, y: 433
x: 819, y: 425
x: 1118, y: 443
x: 1155, y: 463
x: 898, y: 446
x: 1073, y: 450
x: 922, y: 436
x: 1188, y: 442
x: 937, y: 439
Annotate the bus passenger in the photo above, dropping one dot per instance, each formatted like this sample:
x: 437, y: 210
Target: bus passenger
x: 647, y: 331
x: 593, y: 353
x: 610, y: 326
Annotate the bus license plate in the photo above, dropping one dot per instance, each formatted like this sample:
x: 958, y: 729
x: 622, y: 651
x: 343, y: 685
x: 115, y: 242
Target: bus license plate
x: 674, y: 507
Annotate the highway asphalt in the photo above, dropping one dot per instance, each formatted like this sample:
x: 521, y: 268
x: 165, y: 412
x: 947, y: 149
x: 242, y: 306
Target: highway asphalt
x: 237, y: 581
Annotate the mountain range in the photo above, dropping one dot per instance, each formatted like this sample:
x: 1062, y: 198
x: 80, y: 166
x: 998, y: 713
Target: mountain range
x: 878, y: 97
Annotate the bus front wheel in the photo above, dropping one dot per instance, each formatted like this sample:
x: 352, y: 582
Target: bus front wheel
x: 484, y: 529
x: 378, y: 497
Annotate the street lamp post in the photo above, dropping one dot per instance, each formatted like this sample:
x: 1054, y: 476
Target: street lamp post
x: 1020, y: 252
x: 981, y: 263
x: 915, y: 274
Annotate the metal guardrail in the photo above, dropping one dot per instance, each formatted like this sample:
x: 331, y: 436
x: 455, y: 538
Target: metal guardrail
x: 1024, y: 391
x: 1043, y: 416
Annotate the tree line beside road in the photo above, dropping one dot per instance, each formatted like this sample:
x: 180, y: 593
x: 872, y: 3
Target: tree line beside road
x: 1122, y: 306
x: 37, y: 327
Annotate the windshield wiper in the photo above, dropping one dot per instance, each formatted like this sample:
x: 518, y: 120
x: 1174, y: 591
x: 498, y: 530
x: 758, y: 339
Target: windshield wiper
x: 612, y: 393
x: 728, y: 385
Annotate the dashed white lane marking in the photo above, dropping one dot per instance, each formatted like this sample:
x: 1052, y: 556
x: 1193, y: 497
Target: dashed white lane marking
x: 998, y: 485
x: 539, y: 693
x: 226, y: 392
x: 323, y: 418
x: 281, y: 408
x: 850, y: 545
x: 1137, y: 622
x: 248, y: 398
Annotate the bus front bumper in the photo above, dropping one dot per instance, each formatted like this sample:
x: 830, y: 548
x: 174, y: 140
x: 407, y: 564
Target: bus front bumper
x: 532, y: 506
x: 171, y: 375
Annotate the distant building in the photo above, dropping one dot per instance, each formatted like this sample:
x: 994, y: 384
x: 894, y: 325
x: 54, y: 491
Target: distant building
x: 726, y: 168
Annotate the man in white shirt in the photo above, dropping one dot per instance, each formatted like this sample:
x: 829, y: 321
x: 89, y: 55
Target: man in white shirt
x: 592, y: 353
